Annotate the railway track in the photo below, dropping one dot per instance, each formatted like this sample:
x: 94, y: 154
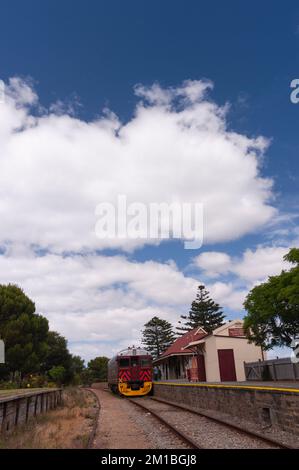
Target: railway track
x: 186, y: 439
x: 95, y: 420
x: 201, y: 431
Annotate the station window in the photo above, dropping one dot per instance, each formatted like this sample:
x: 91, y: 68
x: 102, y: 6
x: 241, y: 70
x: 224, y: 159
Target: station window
x: 124, y: 362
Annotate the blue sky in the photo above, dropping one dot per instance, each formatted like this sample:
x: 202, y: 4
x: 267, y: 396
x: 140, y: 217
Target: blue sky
x: 73, y: 59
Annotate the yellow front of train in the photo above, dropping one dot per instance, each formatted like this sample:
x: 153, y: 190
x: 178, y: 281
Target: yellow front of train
x: 126, y: 389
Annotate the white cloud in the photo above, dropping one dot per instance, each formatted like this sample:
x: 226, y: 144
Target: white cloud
x: 252, y: 267
x: 20, y: 93
x: 213, y: 263
x: 99, y: 302
x: 55, y: 168
x: 191, y: 91
x: 258, y: 265
x: 228, y: 296
x: 102, y: 302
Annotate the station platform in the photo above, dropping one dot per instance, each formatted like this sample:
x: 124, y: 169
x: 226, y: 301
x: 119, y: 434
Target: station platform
x: 291, y: 386
x: 265, y: 403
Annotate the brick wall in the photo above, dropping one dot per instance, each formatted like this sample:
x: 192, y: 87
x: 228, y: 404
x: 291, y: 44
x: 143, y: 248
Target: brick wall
x: 279, y: 408
x: 18, y: 409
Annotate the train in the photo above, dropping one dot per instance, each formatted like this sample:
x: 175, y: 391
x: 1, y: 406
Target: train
x: 130, y: 372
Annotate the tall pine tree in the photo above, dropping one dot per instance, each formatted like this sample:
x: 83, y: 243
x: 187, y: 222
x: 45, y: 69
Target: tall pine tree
x: 204, y: 313
x: 157, y: 336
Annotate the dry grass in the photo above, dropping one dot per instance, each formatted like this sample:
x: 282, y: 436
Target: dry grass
x: 67, y: 427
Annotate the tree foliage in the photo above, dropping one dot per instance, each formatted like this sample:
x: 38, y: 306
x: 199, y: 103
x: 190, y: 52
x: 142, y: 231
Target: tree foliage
x: 58, y: 353
x: 30, y: 347
x: 57, y: 374
x: 204, y: 313
x: 98, y: 368
x: 157, y: 336
x: 24, y: 332
x: 273, y: 308
x: 77, y: 364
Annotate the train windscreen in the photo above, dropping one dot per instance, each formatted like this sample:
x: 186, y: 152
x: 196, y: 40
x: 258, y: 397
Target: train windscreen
x: 124, y: 362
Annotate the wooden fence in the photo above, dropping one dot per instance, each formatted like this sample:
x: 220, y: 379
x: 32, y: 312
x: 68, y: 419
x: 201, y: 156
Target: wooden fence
x: 272, y: 369
x: 18, y: 409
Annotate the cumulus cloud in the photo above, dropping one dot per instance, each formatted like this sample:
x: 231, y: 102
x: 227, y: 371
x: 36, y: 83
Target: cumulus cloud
x: 252, y: 267
x: 100, y: 303
x: 257, y: 265
x: 190, y: 92
x: 55, y: 168
x: 228, y: 295
x: 20, y: 93
x: 242, y: 273
x: 213, y: 263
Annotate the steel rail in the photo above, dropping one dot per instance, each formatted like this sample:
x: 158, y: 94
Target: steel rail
x: 95, y: 423
x: 236, y: 427
x: 188, y: 440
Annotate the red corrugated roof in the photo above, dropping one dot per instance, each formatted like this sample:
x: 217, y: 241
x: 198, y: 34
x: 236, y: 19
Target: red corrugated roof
x: 182, y: 341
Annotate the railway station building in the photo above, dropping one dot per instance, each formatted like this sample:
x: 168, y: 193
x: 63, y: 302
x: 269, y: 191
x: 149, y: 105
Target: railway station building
x: 215, y: 357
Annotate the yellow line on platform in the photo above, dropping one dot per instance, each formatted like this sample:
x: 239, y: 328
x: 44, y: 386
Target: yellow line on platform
x: 244, y: 387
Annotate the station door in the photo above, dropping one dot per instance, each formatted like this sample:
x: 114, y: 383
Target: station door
x: 201, y: 368
x: 227, y: 365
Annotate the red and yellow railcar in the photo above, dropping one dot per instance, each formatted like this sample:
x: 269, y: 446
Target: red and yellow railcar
x: 130, y: 372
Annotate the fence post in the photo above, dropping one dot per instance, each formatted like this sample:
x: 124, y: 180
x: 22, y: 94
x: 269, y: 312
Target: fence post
x: 294, y: 370
x: 274, y: 371
x: 17, y: 412
x: 260, y: 370
x: 27, y: 408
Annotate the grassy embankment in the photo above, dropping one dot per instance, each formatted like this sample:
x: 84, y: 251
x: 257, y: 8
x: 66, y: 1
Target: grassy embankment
x: 67, y: 427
